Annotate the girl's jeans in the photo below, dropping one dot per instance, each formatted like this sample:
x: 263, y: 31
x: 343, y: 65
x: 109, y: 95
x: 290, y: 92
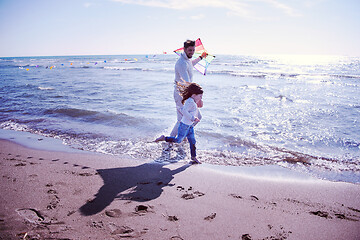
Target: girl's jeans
x: 185, y: 131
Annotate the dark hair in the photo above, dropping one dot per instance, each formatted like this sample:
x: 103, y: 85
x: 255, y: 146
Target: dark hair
x: 189, y: 90
x: 189, y: 43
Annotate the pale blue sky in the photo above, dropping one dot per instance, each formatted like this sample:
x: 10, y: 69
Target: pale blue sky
x: 93, y: 27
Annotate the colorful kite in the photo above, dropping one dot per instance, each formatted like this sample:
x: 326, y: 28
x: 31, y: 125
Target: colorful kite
x: 199, y: 49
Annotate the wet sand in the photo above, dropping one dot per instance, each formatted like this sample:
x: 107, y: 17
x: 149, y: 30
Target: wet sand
x: 59, y: 195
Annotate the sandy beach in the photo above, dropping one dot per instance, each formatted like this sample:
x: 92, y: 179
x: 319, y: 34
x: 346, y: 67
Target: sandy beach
x: 59, y: 195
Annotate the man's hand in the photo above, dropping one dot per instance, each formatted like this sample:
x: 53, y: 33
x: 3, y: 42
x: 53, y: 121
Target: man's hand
x: 204, y: 55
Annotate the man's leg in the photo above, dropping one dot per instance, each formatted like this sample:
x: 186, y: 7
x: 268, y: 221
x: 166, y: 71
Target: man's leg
x: 179, y: 114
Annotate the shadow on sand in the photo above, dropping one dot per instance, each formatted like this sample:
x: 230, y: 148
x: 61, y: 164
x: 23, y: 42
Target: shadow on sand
x: 139, y: 183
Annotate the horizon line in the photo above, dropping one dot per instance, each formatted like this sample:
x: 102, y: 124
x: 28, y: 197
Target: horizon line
x: 169, y: 53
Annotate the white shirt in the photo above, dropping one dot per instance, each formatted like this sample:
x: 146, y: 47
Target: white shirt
x: 184, y: 69
x: 190, y: 111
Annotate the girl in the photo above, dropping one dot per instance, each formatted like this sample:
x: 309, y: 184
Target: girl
x: 192, y: 98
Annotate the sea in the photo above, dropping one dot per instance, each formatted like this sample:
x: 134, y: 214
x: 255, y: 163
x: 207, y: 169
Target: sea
x: 300, y: 112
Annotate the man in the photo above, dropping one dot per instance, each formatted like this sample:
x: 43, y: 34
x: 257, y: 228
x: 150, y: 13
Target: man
x: 183, y: 76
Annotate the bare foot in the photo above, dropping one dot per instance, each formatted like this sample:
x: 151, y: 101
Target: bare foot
x: 161, y: 138
x: 195, y: 161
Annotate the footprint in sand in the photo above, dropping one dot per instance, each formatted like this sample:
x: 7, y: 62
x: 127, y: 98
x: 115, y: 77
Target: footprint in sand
x: 122, y: 231
x: 115, y: 213
x: 321, y: 214
x: 235, y: 196
x: 141, y: 209
x: 173, y: 218
x: 254, y: 198
x: 96, y: 224
x: 354, y: 209
x: 188, y: 196
x: 20, y: 165
x: 85, y: 174
x: 337, y: 215
x: 210, y: 217
x: 54, y: 199
x: 176, y: 238
x: 31, y: 215
x: 246, y: 237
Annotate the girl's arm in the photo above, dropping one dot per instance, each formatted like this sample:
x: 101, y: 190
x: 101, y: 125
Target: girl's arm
x: 199, y: 115
x: 200, y: 104
x: 189, y: 107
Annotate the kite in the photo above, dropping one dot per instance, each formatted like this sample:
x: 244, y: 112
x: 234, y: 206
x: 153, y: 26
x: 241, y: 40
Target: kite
x: 199, y: 49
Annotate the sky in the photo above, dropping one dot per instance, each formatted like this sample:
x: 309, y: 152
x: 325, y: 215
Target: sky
x: 238, y: 27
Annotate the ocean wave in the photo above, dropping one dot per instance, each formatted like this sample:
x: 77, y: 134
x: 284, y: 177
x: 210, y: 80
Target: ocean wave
x: 94, y: 116
x: 243, y: 74
x: 141, y: 69
x: 12, y: 125
x: 238, y: 73
x: 129, y: 68
x: 71, y: 112
x: 45, y: 88
x: 345, y: 76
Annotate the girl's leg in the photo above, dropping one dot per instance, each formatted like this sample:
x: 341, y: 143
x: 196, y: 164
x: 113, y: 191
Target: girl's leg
x: 182, y: 133
x: 159, y: 139
x: 191, y: 138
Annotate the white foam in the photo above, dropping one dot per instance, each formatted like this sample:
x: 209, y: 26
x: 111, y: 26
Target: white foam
x: 46, y: 88
x: 266, y: 172
x: 35, y: 141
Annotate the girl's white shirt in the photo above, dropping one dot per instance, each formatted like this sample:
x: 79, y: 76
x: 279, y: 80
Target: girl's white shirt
x: 190, y: 111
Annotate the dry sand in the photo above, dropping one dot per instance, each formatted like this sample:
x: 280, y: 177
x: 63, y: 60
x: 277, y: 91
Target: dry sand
x: 57, y: 195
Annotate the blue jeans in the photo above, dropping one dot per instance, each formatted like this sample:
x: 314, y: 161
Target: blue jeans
x: 185, y: 131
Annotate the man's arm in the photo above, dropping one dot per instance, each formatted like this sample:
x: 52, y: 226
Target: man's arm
x: 195, y: 61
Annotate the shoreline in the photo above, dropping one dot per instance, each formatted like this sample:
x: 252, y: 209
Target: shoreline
x: 79, y: 195
x: 270, y: 172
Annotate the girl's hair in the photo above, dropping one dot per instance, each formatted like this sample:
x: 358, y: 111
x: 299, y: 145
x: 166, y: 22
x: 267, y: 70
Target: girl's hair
x: 187, y: 91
